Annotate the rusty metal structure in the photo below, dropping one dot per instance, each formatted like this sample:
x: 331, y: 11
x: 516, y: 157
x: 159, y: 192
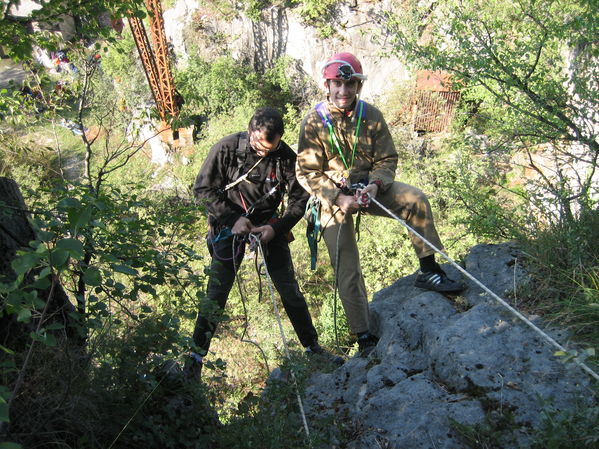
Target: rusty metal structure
x: 156, y: 61
x: 433, y: 102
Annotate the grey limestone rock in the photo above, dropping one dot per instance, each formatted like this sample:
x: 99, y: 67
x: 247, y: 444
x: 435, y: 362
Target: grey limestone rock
x: 446, y: 360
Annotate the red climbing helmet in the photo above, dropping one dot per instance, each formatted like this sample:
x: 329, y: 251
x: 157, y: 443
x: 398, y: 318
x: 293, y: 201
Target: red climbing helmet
x: 343, y: 66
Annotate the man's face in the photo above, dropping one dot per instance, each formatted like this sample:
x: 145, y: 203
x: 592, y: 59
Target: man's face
x: 261, y: 146
x: 343, y: 93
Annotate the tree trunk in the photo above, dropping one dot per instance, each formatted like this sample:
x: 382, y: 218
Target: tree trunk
x: 15, y: 233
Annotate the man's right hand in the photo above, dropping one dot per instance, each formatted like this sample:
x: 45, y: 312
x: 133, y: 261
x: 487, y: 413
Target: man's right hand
x: 242, y: 226
x: 347, y: 203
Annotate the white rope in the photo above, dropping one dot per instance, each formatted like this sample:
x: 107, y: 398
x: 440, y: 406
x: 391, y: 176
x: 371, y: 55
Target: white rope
x: 258, y: 244
x: 243, y: 296
x: 493, y: 295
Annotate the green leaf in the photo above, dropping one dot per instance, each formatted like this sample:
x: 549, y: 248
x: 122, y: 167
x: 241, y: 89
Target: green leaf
x: 69, y: 203
x: 92, y: 276
x: 7, y: 350
x: 79, y: 218
x: 42, y: 337
x: 25, y: 262
x: 73, y: 246
x: 41, y: 283
x: 44, y: 273
x: 4, y: 414
x: 58, y: 257
x: 125, y: 269
x: 24, y: 315
x: 46, y: 236
x: 101, y: 205
x: 9, y: 445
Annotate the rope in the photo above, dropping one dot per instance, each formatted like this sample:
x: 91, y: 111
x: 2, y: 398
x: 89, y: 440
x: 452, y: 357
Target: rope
x: 337, y: 284
x: 493, y: 295
x: 245, y: 313
x: 140, y: 406
x: 256, y: 241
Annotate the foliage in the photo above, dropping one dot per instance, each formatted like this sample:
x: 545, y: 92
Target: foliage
x: 212, y: 88
x: 220, y: 88
x: 560, y: 429
x: 516, y: 54
x: 18, y: 40
x: 116, y: 254
x: 319, y: 14
x: 117, y: 61
x: 564, y: 261
x: 273, y: 420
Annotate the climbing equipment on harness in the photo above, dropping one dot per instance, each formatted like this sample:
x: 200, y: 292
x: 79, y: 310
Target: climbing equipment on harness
x: 313, y: 228
x: 275, y: 177
x: 323, y: 111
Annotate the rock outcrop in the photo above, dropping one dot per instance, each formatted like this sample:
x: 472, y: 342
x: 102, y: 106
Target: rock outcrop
x: 445, y: 364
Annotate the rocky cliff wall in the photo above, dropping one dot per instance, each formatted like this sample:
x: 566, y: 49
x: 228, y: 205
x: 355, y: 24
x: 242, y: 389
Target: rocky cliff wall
x: 281, y: 33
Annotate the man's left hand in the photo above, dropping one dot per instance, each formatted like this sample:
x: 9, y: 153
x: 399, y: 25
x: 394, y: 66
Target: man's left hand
x: 371, y: 190
x: 267, y: 233
x: 364, y: 195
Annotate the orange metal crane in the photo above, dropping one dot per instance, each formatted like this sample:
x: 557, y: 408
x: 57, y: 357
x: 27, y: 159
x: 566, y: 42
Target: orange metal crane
x: 156, y: 65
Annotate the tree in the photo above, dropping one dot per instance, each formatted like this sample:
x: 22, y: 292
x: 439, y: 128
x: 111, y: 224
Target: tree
x: 536, y: 61
x: 123, y: 256
x: 18, y: 36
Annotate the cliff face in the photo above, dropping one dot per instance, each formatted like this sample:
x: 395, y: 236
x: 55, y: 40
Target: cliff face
x: 281, y: 33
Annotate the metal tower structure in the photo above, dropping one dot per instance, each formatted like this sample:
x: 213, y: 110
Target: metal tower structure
x: 156, y: 61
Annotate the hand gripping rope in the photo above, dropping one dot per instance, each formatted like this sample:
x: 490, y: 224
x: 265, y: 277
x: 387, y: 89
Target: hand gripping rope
x: 493, y: 295
x: 255, y: 241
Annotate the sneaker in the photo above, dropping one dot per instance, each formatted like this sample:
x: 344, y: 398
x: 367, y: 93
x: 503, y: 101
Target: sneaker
x: 438, y: 281
x: 366, y: 343
x: 193, y: 367
x: 316, y: 349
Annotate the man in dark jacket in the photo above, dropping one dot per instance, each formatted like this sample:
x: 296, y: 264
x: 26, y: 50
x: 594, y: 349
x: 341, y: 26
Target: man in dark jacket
x: 242, y: 183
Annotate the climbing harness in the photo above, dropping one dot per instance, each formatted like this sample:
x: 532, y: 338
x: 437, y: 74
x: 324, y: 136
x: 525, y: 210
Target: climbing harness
x: 260, y: 251
x: 275, y: 177
x: 224, y: 234
x: 243, y: 177
x: 327, y: 120
x: 504, y: 303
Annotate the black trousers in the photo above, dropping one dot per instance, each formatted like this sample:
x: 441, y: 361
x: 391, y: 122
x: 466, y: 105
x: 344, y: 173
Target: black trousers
x: 225, y: 260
